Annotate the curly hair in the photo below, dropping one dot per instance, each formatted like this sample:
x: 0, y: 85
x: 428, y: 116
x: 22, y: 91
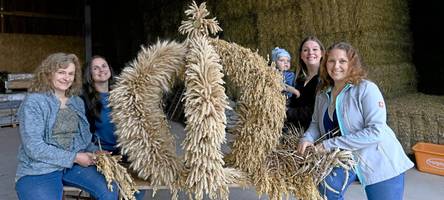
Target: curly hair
x: 357, y: 71
x: 43, y: 75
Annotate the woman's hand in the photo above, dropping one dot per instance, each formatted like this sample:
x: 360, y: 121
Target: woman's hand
x: 85, y: 159
x: 303, y: 145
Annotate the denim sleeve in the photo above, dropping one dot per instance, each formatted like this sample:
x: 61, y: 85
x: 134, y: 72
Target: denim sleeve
x: 289, y: 78
x: 32, y: 132
x: 374, y: 114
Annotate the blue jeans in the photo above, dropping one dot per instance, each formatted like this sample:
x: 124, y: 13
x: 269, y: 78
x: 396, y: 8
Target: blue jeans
x: 140, y: 195
x: 391, y: 189
x: 335, y: 186
x: 336, y: 183
x: 50, y: 186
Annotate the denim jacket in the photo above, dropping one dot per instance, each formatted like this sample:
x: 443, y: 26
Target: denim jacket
x: 362, y: 117
x: 39, y: 153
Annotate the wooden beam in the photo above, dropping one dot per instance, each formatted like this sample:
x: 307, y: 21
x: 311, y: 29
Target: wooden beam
x: 37, y: 15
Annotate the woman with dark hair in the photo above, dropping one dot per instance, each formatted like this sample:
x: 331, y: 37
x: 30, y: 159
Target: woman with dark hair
x: 301, y: 104
x: 56, y: 148
x: 353, y: 105
x: 98, y: 78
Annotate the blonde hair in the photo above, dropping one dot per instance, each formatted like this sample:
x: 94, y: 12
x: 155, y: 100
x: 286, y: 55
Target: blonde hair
x: 42, y: 81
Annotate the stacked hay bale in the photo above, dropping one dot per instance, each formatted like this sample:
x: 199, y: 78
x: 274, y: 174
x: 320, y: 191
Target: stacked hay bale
x: 417, y: 117
x: 240, y: 21
x: 379, y: 29
x: 22, y: 53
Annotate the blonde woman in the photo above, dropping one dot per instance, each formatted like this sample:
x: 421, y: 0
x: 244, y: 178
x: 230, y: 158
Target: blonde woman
x: 56, y: 146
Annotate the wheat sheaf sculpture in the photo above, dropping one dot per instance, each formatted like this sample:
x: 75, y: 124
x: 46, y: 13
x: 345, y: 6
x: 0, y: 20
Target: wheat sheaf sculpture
x: 257, y: 158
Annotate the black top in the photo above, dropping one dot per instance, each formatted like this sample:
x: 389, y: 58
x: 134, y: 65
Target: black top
x: 300, y: 109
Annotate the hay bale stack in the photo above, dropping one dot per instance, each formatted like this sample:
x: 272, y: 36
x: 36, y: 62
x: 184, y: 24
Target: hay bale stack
x: 417, y: 117
x: 279, y: 28
x: 22, y: 53
x: 234, y: 34
x: 379, y: 29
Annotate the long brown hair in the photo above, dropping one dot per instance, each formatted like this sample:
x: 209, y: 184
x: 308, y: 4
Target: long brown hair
x: 302, y: 70
x: 90, y: 94
x: 357, y: 71
x: 43, y: 75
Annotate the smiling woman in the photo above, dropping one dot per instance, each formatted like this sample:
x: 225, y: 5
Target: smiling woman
x: 56, y: 148
x: 355, y: 106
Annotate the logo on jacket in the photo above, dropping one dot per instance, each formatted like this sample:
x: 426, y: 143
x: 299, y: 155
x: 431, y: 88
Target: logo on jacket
x: 381, y: 104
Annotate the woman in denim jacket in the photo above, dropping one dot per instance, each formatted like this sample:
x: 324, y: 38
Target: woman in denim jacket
x: 56, y: 146
x: 356, y: 107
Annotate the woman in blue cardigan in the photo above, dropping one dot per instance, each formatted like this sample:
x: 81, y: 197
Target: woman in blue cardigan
x: 356, y: 107
x: 56, y: 146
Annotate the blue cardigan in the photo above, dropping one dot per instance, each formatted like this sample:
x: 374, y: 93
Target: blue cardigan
x: 39, y: 153
x: 362, y: 117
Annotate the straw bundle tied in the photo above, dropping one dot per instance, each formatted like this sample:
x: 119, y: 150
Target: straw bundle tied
x: 261, y: 109
x: 205, y: 104
x: 109, y: 166
x: 197, y: 24
x: 141, y: 126
x: 291, y: 173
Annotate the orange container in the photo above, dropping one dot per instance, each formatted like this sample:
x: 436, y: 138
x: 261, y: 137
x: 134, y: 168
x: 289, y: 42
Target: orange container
x: 429, y: 157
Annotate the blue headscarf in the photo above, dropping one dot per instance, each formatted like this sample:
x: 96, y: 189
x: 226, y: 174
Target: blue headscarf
x: 279, y: 52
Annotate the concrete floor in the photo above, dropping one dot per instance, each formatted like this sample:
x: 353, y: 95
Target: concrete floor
x: 419, y: 185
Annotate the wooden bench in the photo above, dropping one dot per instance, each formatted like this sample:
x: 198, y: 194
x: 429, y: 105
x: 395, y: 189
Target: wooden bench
x: 70, y: 192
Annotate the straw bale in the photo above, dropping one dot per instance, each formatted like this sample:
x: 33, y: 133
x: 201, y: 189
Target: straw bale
x: 22, y: 53
x: 242, y: 30
x: 231, y: 8
x: 417, y: 117
x: 278, y: 28
x: 395, y: 79
x: 400, y: 124
x: 272, y: 5
x: 440, y: 120
x: 324, y: 16
x: 236, y: 8
x: 391, y: 14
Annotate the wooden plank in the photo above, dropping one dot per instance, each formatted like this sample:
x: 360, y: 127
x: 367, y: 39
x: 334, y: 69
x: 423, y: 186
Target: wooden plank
x: 18, y: 84
x: 145, y: 185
